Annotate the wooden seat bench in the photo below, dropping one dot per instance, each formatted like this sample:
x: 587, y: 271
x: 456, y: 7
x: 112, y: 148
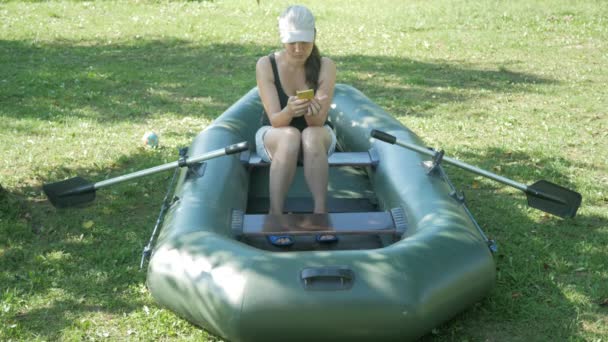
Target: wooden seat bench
x: 391, y: 222
x: 367, y: 158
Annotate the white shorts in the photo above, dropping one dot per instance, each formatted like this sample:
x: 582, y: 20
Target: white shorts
x: 263, y: 153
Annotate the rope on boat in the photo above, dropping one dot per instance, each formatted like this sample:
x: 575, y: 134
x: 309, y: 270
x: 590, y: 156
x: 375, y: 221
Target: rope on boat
x: 435, y: 165
x: 148, y: 249
x: 459, y: 196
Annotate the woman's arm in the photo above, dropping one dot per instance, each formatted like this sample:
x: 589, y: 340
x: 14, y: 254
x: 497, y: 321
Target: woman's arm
x: 319, y: 106
x: 279, y: 117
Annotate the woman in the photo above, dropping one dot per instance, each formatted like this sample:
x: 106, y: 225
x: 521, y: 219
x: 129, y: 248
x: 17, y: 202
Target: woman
x: 294, y: 125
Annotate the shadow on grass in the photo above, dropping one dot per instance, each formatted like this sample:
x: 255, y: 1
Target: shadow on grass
x: 408, y: 87
x: 60, y: 264
x: 130, y: 82
x: 544, y: 263
x: 95, y: 267
x: 135, y: 80
x: 53, y: 255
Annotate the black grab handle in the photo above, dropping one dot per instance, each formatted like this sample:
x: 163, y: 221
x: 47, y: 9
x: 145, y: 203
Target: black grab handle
x: 383, y: 136
x: 236, y: 148
x: 327, y: 278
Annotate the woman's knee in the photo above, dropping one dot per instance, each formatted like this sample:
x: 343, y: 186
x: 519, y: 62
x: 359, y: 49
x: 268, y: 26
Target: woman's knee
x: 315, y: 139
x: 284, y: 139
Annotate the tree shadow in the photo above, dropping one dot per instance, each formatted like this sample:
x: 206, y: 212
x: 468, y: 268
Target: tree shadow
x: 123, y: 82
x: 75, y: 261
x: 538, y: 254
x: 97, y: 267
x: 46, y: 249
x: 142, y: 78
x: 408, y: 87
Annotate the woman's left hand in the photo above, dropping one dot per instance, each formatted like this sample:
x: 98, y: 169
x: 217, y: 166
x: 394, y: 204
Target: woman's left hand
x: 314, y: 107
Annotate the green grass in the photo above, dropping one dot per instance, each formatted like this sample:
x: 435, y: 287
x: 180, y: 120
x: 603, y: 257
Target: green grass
x: 515, y: 87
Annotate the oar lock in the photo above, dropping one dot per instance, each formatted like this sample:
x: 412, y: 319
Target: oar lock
x: 457, y: 195
x: 195, y: 170
x: 183, y: 157
x: 432, y: 165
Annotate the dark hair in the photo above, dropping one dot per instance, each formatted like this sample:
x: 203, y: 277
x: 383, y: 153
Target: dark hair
x: 313, y: 67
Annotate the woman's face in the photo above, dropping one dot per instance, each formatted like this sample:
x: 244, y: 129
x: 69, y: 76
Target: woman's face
x: 299, y: 50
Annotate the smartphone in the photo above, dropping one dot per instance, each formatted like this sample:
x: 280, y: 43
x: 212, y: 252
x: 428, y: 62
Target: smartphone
x: 308, y: 94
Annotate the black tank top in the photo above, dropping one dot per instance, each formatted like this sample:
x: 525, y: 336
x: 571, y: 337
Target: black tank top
x: 298, y: 122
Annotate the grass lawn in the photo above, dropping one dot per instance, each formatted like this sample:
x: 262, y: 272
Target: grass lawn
x: 515, y: 87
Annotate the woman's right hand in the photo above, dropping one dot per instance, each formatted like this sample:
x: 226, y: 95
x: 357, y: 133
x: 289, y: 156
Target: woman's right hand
x: 297, y: 107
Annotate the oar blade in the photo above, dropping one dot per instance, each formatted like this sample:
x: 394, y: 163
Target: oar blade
x: 70, y: 192
x: 553, y: 199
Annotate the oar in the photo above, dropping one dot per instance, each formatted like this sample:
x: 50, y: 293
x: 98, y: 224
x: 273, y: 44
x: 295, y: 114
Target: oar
x: 77, y: 190
x: 542, y: 195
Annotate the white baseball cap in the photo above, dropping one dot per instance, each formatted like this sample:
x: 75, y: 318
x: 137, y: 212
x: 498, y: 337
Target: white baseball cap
x: 297, y: 24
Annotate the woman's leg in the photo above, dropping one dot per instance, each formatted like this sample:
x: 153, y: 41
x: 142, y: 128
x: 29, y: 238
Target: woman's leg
x: 315, y: 143
x: 283, y: 146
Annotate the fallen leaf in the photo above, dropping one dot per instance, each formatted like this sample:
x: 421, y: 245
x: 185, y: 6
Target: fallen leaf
x: 515, y: 295
x: 88, y: 224
x: 475, y: 185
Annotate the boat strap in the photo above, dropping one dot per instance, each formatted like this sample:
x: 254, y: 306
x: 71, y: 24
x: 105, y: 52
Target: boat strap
x: 393, y: 222
x: 368, y: 158
x: 147, y: 252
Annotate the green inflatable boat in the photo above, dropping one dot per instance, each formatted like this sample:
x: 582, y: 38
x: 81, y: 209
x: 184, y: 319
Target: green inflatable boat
x: 409, y: 257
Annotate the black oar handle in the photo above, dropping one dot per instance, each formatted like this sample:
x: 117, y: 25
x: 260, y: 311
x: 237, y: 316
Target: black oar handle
x: 383, y: 136
x: 236, y: 148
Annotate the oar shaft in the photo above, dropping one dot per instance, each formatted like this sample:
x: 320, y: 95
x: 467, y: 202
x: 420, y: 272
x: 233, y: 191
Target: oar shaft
x: 465, y: 166
x: 137, y: 174
x: 543, y: 195
x: 168, y: 166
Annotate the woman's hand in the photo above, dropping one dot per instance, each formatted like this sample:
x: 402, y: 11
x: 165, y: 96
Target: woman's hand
x: 297, y: 107
x: 314, y: 107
